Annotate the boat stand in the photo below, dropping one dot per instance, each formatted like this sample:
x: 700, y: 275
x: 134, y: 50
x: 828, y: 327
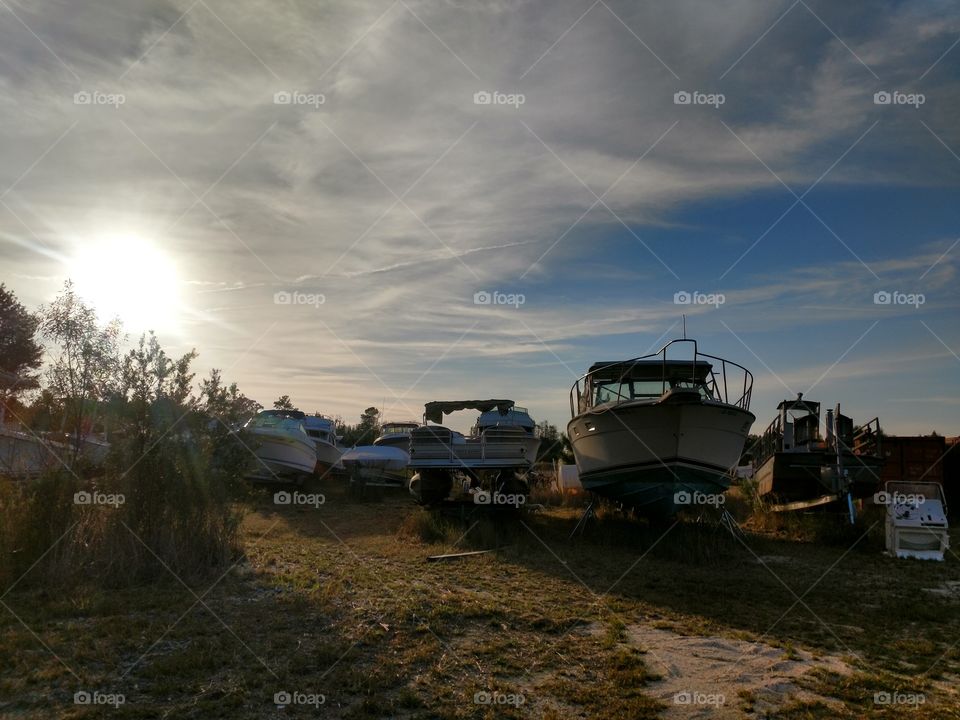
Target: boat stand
x: 582, y: 522
x: 730, y: 523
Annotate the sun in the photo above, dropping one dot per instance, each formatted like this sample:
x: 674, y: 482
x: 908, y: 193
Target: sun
x: 128, y: 277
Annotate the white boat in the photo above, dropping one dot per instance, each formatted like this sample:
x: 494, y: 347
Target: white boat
x: 323, y: 431
x: 396, y: 434
x: 375, y: 457
x: 25, y: 454
x: 657, y: 433
x: 284, y: 450
x: 495, y: 457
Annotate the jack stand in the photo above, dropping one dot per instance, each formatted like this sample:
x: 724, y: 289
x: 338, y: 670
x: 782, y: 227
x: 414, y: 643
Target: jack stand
x: 730, y: 523
x: 582, y: 522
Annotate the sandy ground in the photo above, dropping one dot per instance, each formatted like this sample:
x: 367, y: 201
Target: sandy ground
x: 703, y: 676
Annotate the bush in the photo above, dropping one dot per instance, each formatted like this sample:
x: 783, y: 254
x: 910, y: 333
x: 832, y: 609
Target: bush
x: 173, y: 510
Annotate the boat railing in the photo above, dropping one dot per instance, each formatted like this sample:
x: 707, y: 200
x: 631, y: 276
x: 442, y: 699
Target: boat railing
x: 868, y: 439
x: 727, y: 382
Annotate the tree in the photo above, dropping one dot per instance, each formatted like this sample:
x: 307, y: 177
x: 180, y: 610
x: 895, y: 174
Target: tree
x: 226, y: 405
x: 156, y: 388
x: 20, y: 353
x: 363, y: 433
x: 369, y: 427
x: 554, y: 445
x: 283, y: 403
x: 85, y: 367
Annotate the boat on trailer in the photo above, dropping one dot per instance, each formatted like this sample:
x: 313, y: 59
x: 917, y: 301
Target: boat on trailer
x: 323, y: 431
x: 798, y: 467
x: 662, y: 431
x: 488, y: 464
x: 284, y: 450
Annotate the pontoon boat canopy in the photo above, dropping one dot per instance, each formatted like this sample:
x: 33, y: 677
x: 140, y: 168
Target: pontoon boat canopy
x: 434, y: 411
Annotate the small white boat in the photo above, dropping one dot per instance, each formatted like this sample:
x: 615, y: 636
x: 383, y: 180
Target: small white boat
x: 396, y: 434
x: 376, y: 457
x: 284, y: 450
x: 384, y: 466
x: 323, y: 431
x: 25, y: 454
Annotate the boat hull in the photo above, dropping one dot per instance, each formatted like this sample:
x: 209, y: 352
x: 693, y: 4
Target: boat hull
x: 647, y: 455
x: 280, y: 456
x: 794, y: 477
x: 328, y: 456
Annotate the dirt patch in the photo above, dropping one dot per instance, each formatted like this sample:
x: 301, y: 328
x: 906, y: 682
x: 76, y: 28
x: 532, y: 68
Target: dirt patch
x: 720, y: 677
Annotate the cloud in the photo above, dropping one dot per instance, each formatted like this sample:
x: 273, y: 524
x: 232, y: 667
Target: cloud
x: 397, y: 197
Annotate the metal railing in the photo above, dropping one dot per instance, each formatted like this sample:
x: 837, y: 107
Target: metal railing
x: 722, y: 382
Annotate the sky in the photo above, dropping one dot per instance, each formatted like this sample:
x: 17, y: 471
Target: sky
x: 320, y: 196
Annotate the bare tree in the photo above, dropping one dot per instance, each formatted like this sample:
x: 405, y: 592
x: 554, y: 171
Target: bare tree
x: 84, y: 370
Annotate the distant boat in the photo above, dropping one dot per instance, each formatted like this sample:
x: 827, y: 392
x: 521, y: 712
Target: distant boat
x: 495, y: 457
x: 25, y: 454
x: 798, y: 467
x: 323, y: 430
x: 396, y: 434
x: 285, y: 450
x: 659, y: 433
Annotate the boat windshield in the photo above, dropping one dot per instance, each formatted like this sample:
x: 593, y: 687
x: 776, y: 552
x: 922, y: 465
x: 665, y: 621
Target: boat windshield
x: 397, y: 428
x: 277, y: 423
x: 616, y: 391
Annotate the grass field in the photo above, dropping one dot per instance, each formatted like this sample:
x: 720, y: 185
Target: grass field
x: 338, y: 607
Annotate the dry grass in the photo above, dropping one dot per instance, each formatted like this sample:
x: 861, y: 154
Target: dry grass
x: 145, y: 528
x: 341, y: 601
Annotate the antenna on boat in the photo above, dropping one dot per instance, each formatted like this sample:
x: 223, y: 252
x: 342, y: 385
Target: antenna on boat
x: 684, y: 325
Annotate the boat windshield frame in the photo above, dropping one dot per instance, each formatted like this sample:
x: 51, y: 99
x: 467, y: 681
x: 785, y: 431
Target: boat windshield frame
x: 715, y: 380
x: 405, y: 427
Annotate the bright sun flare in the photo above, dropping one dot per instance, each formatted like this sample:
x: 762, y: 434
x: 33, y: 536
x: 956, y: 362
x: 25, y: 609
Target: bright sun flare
x: 130, y: 278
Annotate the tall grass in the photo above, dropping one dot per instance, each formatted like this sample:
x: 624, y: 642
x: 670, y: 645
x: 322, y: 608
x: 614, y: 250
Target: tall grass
x: 179, y: 517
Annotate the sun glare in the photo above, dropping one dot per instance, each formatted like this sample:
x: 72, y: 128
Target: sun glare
x: 130, y: 278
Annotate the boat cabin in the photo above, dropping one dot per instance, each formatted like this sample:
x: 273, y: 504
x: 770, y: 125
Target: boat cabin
x: 516, y: 416
x: 796, y: 428
x: 623, y: 381
x: 321, y: 428
x: 285, y: 420
x: 398, y: 428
